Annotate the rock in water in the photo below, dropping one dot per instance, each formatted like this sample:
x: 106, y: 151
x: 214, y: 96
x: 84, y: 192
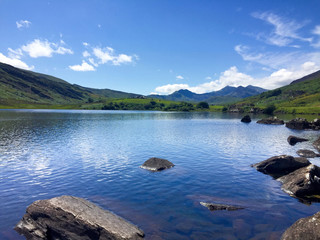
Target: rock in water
x: 304, y: 229
x: 303, y: 182
x: 68, y: 217
x: 292, y: 140
x: 157, y: 164
x: 271, y: 120
x: 307, y: 153
x: 298, y: 124
x: 316, y: 144
x: 281, y: 165
x: 246, y: 119
x: 215, y: 206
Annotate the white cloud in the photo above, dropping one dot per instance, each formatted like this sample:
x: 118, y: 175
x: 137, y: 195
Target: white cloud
x: 284, y: 32
x: 107, y: 55
x: 84, y: 67
x: 23, y: 24
x: 16, y: 62
x: 85, y: 44
x: 122, y: 58
x: 38, y: 48
x: 103, y: 55
x: 86, y: 54
x: 316, y: 31
x: 15, y: 53
x: 179, y: 77
x: 232, y: 77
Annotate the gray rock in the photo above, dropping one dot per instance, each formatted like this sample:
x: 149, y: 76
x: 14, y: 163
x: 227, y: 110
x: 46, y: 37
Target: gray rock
x: 298, y: 124
x: 246, y: 119
x: 307, y: 153
x: 316, y: 144
x: 68, y: 217
x: 280, y: 165
x: 304, y: 229
x: 215, y: 206
x: 157, y: 164
x: 302, y: 183
x: 292, y: 140
x: 271, y: 120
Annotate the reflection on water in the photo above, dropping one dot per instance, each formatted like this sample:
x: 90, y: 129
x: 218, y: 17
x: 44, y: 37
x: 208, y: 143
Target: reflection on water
x: 97, y: 154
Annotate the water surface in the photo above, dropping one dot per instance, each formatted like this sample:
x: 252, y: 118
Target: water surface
x: 96, y: 155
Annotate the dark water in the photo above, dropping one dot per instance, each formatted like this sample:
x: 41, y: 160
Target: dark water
x: 96, y: 155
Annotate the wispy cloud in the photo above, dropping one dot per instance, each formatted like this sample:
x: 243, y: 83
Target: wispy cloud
x: 316, y: 31
x: 44, y: 48
x: 98, y: 56
x: 84, y: 67
x: 23, y: 24
x: 179, y: 77
x: 284, y: 30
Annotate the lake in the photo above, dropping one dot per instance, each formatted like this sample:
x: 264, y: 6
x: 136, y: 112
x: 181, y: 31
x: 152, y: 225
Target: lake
x: 96, y: 155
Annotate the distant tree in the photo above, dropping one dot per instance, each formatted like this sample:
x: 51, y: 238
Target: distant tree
x: 203, y: 105
x: 90, y: 100
x: 269, y: 109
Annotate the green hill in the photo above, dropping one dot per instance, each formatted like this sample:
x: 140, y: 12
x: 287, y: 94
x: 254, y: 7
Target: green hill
x: 301, y: 96
x: 19, y: 86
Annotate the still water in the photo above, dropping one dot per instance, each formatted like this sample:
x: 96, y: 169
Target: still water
x: 96, y: 155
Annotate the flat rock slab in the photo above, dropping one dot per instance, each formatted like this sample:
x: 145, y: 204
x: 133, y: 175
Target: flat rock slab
x: 157, y: 164
x: 271, y: 120
x: 281, y: 165
x: 69, y: 217
x: 215, y: 206
x: 246, y: 119
x: 302, y: 183
x: 307, y: 153
x: 293, y: 140
x: 298, y: 124
x: 304, y: 229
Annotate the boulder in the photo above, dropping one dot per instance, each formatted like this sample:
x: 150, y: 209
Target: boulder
x: 302, y: 183
x: 315, y: 124
x: 292, y: 140
x: 246, y: 119
x: 69, y: 217
x: 280, y: 165
x: 298, y: 124
x: 316, y: 144
x: 304, y: 229
x: 215, y: 206
x: 271, y: 120
x: 307, y: 153
x: 157, y: 164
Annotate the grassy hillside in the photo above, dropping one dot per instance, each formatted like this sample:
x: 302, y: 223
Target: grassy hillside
x: 301, y: 96
x: 20, y: 87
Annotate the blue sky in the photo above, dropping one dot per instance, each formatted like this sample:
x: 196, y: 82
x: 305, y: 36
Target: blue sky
x: 160, y: 46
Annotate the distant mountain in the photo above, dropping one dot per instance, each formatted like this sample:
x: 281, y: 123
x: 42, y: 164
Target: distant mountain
x: 300, y: 96
x: 22, y: 86
x: 226, y: 95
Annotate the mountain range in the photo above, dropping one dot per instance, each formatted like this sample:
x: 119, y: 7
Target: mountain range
x: 225, y: 95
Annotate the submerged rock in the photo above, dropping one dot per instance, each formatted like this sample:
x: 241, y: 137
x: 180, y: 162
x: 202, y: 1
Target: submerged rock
x: 157, y: 164
x: 298, y: 124
x: 304, y: 182
x: 246, y: 119
x: 68, y: 217
x: 304, y: 229
x: 307, y: 153
x: 316, y: 144
x: 271, y: 120
x: 281, y: 165
x: 292, y: 140
x: 215, y: 206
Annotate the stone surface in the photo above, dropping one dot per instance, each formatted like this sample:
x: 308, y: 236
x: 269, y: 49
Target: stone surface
x: 303, y: 182
x: 280, y: 165
x: 307, y: 153
x: 68, y: 217
x: 157, y: 164
x: 292, y: 140
x: 304, y: 229
x: 316, y: 144
x: 271, y: 120
x: 215, y: 206
x: 246, y: 119
x: 298, y: 124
